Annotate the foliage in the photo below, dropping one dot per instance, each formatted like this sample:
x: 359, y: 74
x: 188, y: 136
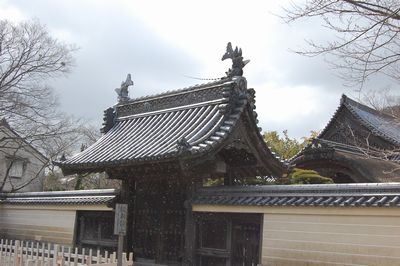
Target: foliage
x: 213, y: 182
x: 366, y: 35
x: 255, y: 181
x: 303, y: 176
x: 250, y: 181
x: 285, y: 146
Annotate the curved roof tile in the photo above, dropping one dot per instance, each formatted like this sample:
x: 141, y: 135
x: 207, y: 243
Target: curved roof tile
x: 381, y: 124
x: 74, y: 197
x: 332, y: 195
x: 186, y: 122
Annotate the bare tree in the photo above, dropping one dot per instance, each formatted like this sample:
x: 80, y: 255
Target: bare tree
x: 29, y: 57
x: 367, y: 35
x: 383, y: 100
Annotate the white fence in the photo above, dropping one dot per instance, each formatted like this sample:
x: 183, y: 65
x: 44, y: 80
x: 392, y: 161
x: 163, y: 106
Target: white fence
x: 20, y: 253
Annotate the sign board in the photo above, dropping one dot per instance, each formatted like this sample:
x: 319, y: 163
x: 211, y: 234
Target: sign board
x: 121, y: 215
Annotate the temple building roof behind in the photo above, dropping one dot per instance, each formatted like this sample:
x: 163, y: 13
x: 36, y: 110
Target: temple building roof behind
x: 359, y: 144
x: 379, y: 123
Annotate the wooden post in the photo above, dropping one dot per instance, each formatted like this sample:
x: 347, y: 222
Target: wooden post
x: 62, y: 256
x: 128, y: 192
x: 69, y: 256
x: 99, y: 260
x: 1, y: 249
x: 76, y: 257
x: 16, y: 249
x: 121, y: 214
x: 48, y: 252
x: 55, y: 254
x: 106, y: 256
x: 189, y: 234
x: 32, y: 250
x: 37, y: 251
x: 83, y: 255
x: 89, y: 260
x: 190, y: 226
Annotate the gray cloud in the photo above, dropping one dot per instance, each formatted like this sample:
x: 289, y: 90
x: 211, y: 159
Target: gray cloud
x: 113, y: 43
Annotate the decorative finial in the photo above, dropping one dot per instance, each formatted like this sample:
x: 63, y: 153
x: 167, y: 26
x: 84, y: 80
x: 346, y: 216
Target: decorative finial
x: 183, y: 145
x: 108, y: 120
x: 122, y: 92
x: 237, y: 61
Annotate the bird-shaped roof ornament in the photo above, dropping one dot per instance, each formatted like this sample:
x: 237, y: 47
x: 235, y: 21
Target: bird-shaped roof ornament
x: 237, y: 61
x: 123, y: 93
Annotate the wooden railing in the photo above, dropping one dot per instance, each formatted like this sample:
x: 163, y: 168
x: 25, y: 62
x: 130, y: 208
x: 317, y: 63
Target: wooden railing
x: 24, y: 253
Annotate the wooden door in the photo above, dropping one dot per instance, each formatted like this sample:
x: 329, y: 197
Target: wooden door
x: 246, y: 242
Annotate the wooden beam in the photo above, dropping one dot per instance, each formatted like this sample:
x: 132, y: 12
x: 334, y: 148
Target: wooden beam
x: 193, y: 183
x: 127, y: 196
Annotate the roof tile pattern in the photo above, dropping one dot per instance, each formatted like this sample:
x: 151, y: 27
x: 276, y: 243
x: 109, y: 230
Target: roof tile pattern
x: 81, y: 197
x: 187, y: 122
x: 156, y: 135
x: 380, y: 123
x: 340, y: 195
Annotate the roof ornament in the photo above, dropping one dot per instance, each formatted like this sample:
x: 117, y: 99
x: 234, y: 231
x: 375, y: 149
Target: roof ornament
x: 63, y: 158
x: 237, y: 61
x: 108, y: 120
x: 123, y: 94
x: 182, y: 145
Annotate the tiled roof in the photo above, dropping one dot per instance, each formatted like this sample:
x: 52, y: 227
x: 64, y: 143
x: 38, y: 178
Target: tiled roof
x: 187, y: 122
x: 324, y: 145
x: 367, y: 165
x: 380, y: 123
x: 334, y: 195
x: 75, y: 197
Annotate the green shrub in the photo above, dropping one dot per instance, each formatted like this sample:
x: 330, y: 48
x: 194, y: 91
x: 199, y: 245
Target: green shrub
x: 304, y: 176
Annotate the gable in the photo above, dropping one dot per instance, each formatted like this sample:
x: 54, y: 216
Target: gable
x: 13, y: 144
x: 358, y: 125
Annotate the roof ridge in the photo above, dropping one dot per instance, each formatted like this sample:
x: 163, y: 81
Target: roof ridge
x: 333, y: 195
x: 172, y: 92
x: 354, y: 103
x: 177, y: 108
x: 5, y: 124
x: 172, y: 99
x: 61, y: 193
x: 351, y: 104
x: 309, y: 188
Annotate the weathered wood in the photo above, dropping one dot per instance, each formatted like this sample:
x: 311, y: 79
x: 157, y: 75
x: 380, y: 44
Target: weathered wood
x: 192, y: 185
x: 23, y: 253
x: 127, y: 196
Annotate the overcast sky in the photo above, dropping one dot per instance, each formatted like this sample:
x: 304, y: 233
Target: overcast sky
x: 162, y: 43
